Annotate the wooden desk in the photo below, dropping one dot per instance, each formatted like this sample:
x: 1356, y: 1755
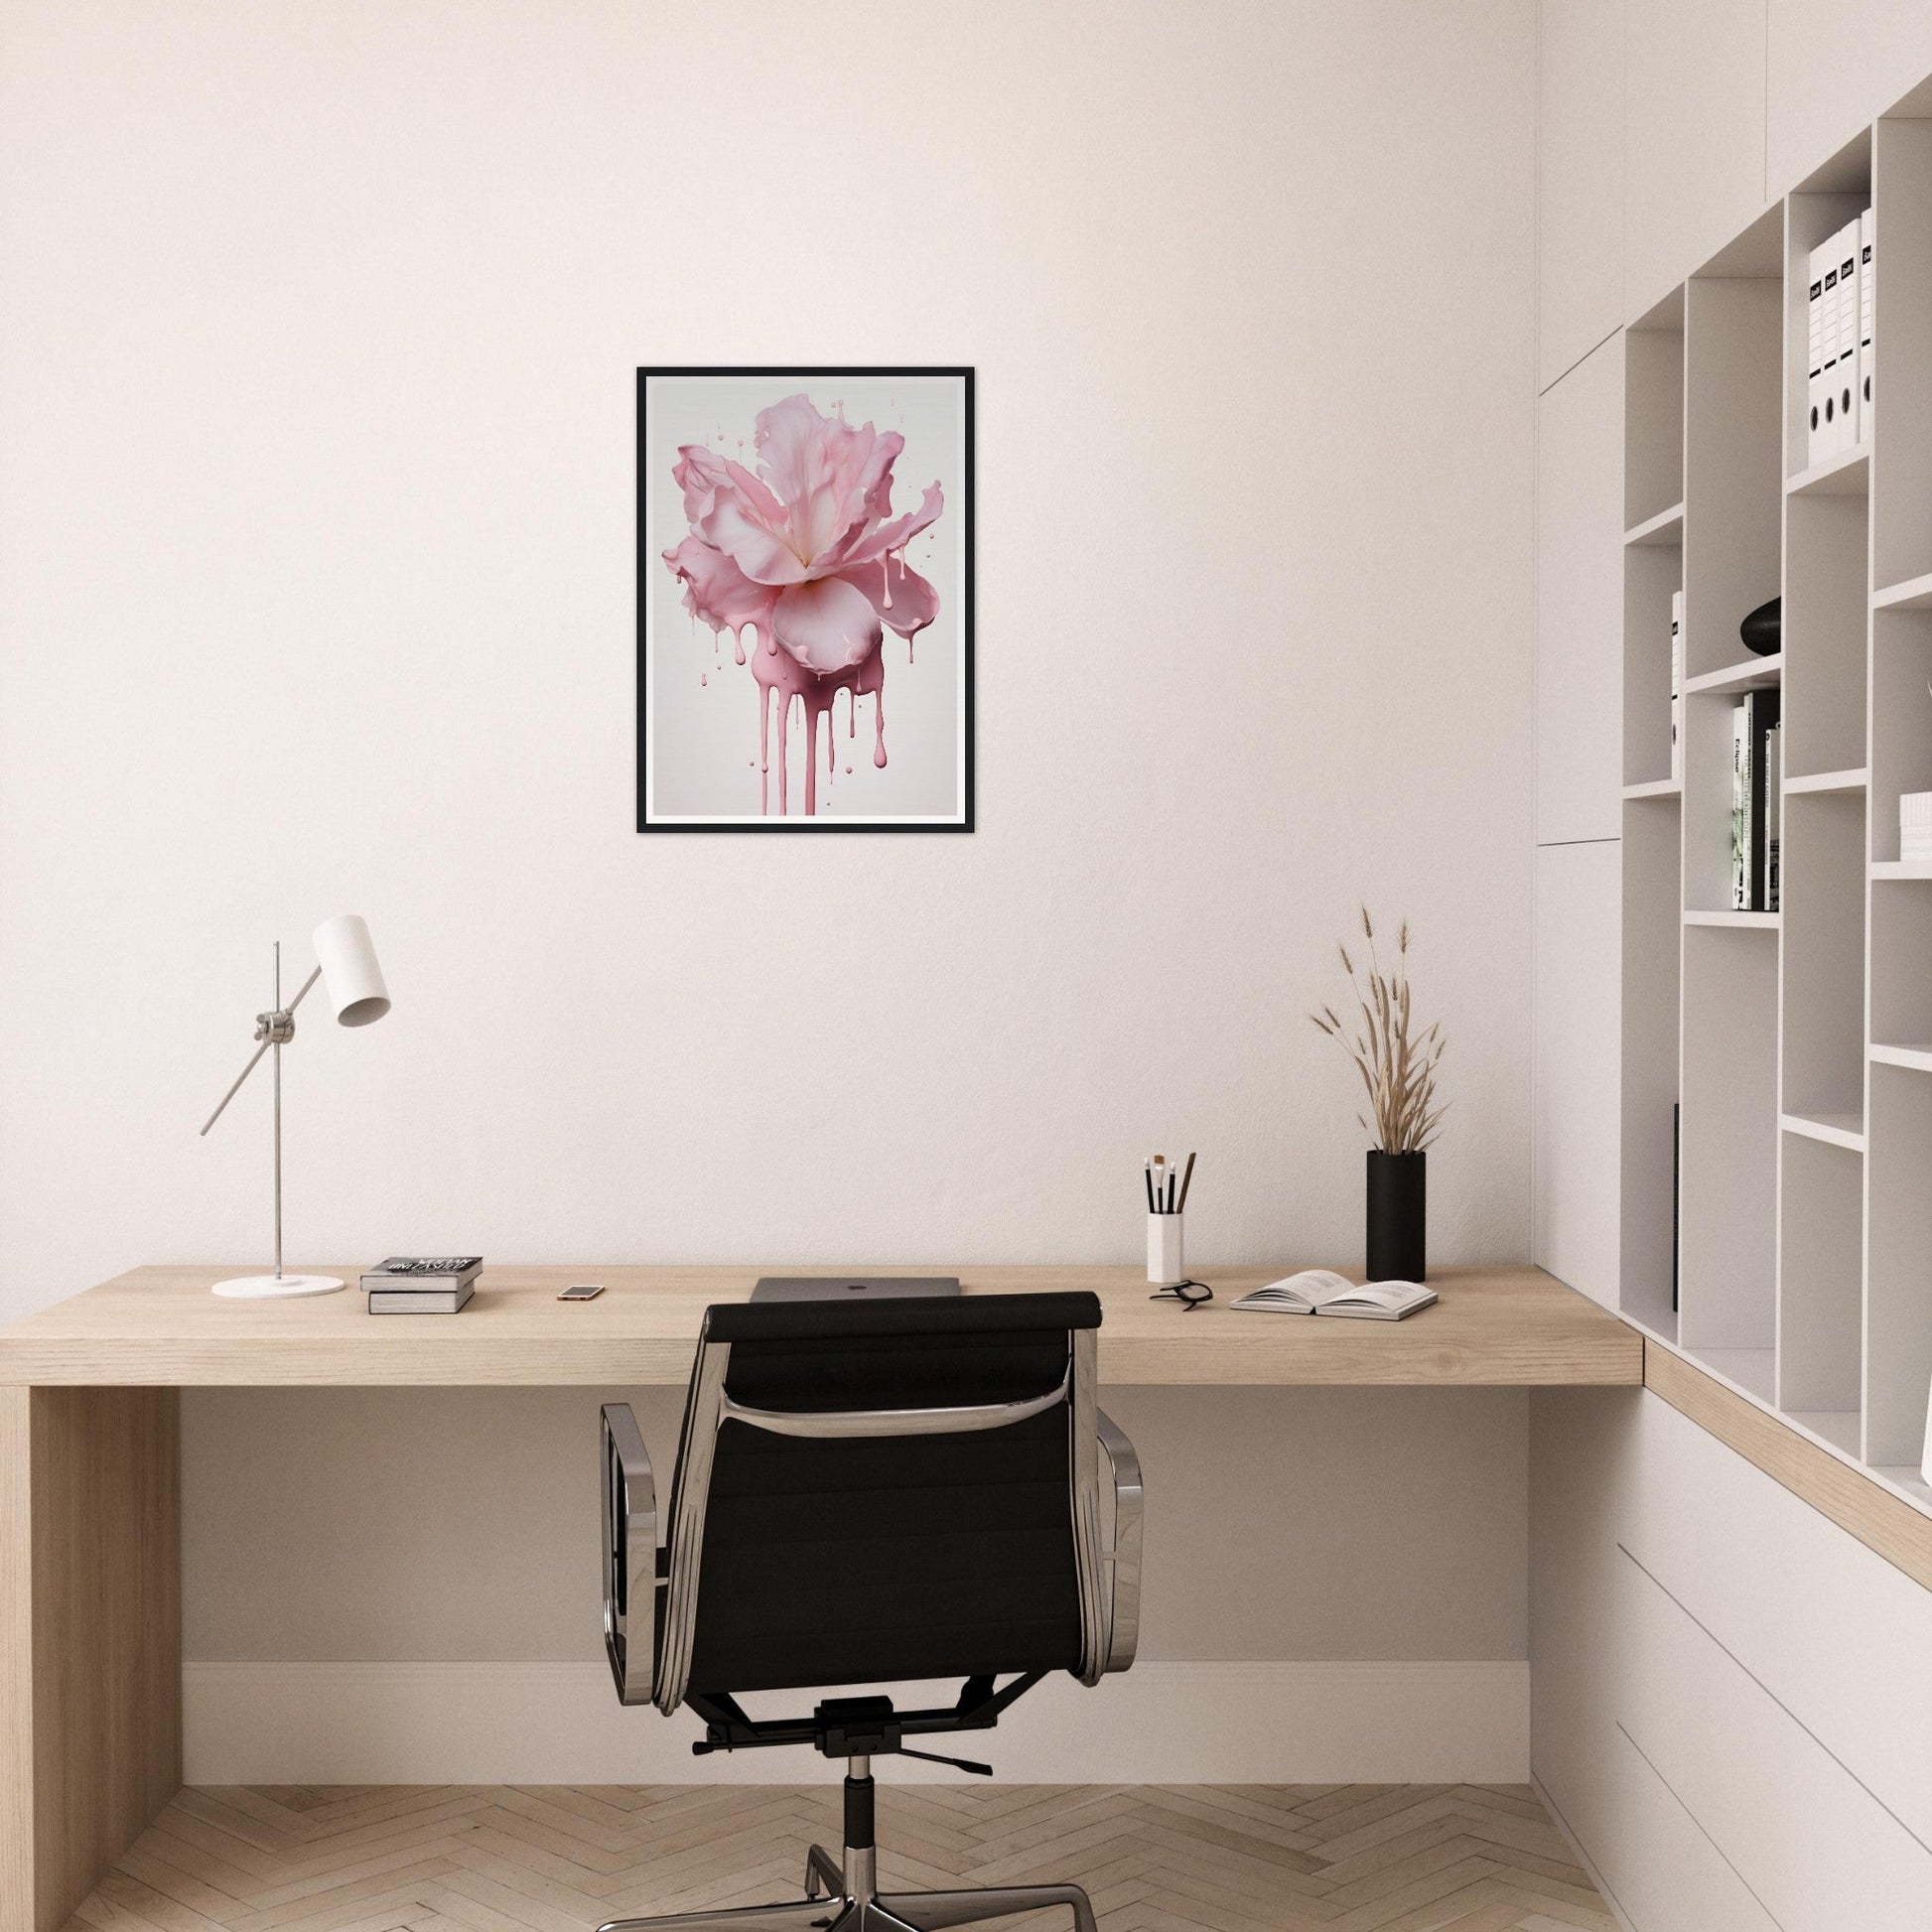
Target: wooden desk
x: 90, y: 1460
x: 161, y: 1327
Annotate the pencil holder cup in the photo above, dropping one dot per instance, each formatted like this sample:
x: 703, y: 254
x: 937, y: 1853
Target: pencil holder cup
x: 1164, y: 1249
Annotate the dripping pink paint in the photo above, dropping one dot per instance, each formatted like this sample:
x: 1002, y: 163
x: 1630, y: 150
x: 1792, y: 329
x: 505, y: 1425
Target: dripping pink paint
x: 806, y: 555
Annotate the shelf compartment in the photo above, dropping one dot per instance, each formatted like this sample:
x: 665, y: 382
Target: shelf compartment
x: 1824, y: 782
x: 1651, y: 575
x: 1727, y: 1239
x: 1707, y: 753
x: 1823, y: 957
x: 1835, y: 1129
x: 1733, y: 471
x: 1901, y: 719
x: 1664, y: 531
x: 1898, y: 1289
x: 1849, y: 473
x: 1753, y: 674
x: 1653, y: 413
x: 1902, y: 460
x: 1826, y: 613
x: 1820, y: 1248
x: 1652, y: 860
x: 1901, y: 964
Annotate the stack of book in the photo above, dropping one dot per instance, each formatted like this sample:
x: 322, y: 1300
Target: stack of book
x: 1754, y: 803
x: 421, y: 1283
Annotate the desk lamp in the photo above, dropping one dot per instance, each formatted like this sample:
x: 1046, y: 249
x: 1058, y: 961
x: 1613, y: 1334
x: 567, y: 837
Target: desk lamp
x: 346, y: 965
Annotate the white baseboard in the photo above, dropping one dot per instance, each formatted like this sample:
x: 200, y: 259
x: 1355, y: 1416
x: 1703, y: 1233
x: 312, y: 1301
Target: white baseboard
x: 561, y: 1724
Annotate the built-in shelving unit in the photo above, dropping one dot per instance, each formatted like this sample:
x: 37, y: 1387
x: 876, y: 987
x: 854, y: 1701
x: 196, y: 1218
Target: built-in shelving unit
x: 1787, y: 1244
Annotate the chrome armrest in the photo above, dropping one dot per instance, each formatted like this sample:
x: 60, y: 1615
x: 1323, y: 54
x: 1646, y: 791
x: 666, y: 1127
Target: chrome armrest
x: 1123, y: 1560
x: 629, y: 1555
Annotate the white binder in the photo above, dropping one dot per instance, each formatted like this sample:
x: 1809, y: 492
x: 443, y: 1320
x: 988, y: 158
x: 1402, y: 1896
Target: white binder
x: 1847, y: 390
x: 1867, y: 299
x: 1815, y: 356
x: 1827, y: 420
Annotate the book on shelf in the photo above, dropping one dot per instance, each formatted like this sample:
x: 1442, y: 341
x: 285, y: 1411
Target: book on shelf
x: 422, y: 1274
x: 420, y: 1301
x: 1677, y: 685
x: 1320, y: 1291
x: 1754, y: 816
x: 1740, y: 811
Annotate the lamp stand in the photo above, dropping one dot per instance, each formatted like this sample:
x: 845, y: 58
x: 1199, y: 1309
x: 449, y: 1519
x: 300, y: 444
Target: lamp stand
x: 274, y: 1029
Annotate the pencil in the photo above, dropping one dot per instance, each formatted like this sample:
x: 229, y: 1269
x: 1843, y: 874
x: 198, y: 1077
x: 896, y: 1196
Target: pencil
x: 1187, y: 1181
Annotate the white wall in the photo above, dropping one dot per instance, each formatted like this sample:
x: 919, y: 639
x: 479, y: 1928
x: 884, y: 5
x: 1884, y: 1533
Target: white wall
x: 316, y: 487
x: 316, y: 442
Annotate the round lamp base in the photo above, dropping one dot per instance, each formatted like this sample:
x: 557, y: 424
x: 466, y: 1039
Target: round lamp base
x: 274, y: 1287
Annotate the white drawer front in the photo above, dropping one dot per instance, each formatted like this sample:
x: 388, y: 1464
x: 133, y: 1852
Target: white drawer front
x: 1666, y: 1874
x: 1814, y: 1846
x: 1837, y: 1636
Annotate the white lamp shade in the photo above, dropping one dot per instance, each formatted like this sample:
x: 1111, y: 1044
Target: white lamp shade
x: 350, y: 975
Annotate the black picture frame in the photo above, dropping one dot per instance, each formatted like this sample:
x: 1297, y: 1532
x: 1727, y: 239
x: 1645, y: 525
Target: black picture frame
x: 649, y: 560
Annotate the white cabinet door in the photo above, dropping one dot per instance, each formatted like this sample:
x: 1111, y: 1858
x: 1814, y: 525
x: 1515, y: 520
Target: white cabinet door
x: 1580, y: 179
x: 1579, y: 752
x: 1832, y: 69
x: 1574, y: 1111
x: 1693, y: 137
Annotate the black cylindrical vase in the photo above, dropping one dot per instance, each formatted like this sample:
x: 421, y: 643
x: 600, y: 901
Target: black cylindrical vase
x: 1397, y: 1216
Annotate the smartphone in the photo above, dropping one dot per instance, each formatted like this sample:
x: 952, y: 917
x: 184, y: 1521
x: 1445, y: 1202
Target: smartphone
x: 582, y: 1292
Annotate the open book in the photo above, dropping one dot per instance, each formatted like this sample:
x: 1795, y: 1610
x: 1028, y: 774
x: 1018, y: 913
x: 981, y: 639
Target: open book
x: 1319, y: 1290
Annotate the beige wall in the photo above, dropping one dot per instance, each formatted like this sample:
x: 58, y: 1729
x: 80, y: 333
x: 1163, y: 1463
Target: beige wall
x: 388, y: 1524
x: 315, y: 485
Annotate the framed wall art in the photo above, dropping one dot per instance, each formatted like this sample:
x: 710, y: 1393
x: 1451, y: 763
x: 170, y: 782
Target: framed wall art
x: 804, y: 600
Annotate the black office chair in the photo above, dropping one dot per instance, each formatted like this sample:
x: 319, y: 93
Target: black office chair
x: 867, y: 1494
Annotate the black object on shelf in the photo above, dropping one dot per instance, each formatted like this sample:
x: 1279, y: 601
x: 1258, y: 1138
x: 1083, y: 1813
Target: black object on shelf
x: 1397, y: 1216
x: 1763, y: 630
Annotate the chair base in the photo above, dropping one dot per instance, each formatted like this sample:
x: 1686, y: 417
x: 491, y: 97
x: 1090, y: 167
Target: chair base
x: 848, y: 1904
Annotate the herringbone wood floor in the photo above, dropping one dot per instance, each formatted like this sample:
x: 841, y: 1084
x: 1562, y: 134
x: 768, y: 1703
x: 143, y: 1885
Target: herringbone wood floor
x: 558, y: 1858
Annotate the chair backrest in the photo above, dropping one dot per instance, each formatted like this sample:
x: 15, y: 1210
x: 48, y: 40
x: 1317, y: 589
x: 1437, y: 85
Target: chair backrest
x: 892, y: 1490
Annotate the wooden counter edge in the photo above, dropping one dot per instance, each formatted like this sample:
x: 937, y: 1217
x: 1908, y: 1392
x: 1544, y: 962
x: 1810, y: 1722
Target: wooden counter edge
x: 1858, y: 1503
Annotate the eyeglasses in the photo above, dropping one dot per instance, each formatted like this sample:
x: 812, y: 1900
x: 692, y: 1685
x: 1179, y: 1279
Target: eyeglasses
x: 1190, y: 1295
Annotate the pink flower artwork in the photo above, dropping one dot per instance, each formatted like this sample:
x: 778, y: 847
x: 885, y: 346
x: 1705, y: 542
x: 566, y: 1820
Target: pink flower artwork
x: 801, y: 550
